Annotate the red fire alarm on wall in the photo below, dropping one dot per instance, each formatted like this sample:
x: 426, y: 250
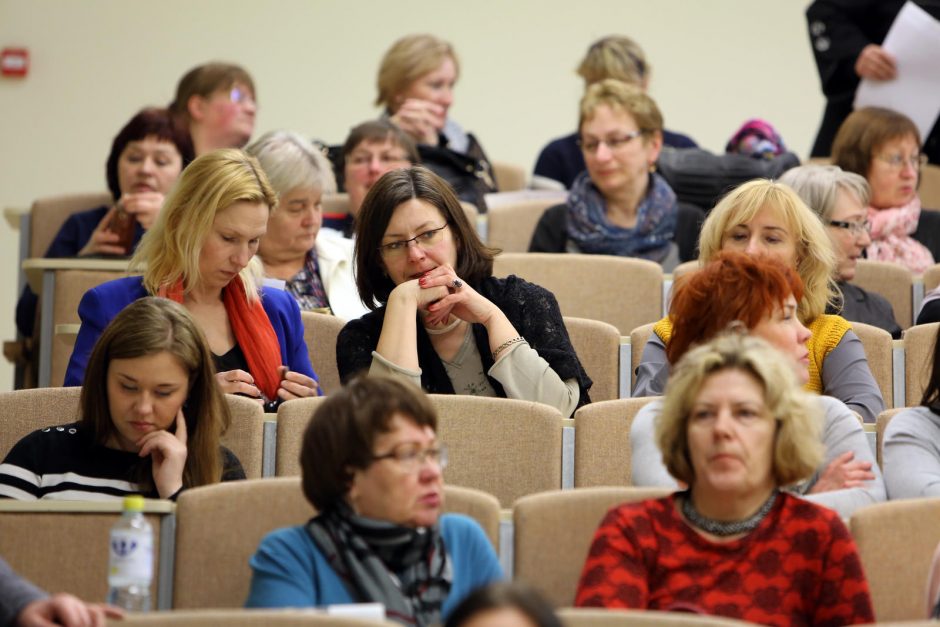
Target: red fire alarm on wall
x: 14, y: 62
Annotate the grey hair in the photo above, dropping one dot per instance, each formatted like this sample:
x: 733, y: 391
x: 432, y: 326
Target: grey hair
x: 291, y: 161
x: 817, y: 186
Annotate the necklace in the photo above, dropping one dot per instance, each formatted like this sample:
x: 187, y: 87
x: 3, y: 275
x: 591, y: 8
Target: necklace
x: 724, y: 528
x: 450, y: 327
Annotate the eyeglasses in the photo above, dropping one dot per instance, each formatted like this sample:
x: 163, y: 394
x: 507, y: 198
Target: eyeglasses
x: 241, y: 96
x: 896, y: 162
x: 424, y: 240
x: 362, y: 160
x: 857, y: 228
x: 613, y: 143
x: 411, y: 457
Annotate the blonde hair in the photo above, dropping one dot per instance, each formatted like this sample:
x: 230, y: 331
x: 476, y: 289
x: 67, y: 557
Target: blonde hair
x: 616, y: 57
x: 410, y: 58
x: 797, y: 447
x: 815, y: 257
x: 169, y: 251
x: 623, y: 97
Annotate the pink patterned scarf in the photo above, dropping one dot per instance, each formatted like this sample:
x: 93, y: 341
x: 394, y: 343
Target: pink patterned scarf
x: 891, y: 237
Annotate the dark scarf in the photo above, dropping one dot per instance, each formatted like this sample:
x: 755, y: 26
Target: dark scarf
x: 589, y: 228
x: 404, y: 568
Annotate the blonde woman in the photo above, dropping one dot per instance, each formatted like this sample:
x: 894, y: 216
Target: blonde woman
x: 200, y: 253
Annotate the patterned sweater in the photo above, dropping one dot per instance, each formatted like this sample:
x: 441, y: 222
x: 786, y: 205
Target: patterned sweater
x: 798, y: 567
x: 64, y: 463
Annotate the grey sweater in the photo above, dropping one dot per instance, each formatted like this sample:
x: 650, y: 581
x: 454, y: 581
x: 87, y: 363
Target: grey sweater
x: 15, y: 594
x: 841, y: 432
x: 911, y: 454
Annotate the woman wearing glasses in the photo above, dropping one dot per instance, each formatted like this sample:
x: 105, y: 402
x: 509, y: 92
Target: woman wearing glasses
x: 619, y: 206
x: 884, y: 147
x: 442, y: 320
x: 372, y: 467
x: 840, y: 199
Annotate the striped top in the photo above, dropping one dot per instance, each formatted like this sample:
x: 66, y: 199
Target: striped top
x: 63, y: 462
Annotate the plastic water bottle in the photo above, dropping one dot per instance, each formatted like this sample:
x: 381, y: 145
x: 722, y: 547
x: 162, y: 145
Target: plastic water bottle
x: 130, y: 568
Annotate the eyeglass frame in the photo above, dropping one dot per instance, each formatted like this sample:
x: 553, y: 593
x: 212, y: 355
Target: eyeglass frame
x: 857, y: 228
x: 897, y: 162
x: 612, y: 144
x: 384, y: 249
x: 421, y: 458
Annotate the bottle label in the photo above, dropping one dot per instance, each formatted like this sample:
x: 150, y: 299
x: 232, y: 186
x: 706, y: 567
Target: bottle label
x: 131, y: 556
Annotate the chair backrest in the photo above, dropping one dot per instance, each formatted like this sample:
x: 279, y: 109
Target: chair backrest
x: 335, y: 203
x: 919, y: 343
x: 879, y: 351
x: 685, y: 268
x: 320, y: 333
x: 553, y: 532
x: 891, y: 280
x: 602, y: 454
x: 638, y: 339
x: 509, y: 176
x: 219, y: 528
x: 244, y: 618
x: 70, y: 287
x: 598, y: 347
x: 63, y: 545
x: 292, y: 419
x: 25, y: 411
x: 48, y: 214
x: 896, y: 541
x: 929, y: 190
x: 508, y: 448
x: 881, y: 423
x: 245, y: 435
x: 598, y: 617
x: 621, y: 291
x: 931, y: 276
x: 510, y: 226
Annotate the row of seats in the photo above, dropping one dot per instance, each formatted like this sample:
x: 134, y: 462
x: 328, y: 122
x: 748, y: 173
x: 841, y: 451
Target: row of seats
x: 206, y: 538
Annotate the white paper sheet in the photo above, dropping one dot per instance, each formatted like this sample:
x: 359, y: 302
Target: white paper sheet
x: 914, y: 40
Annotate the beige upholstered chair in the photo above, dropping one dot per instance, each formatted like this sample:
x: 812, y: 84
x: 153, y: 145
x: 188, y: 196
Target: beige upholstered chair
x: 509, y: 176
x: 595, y: 617
x: 929, y: 190
x: 335, y: 203
x: 320, y: 332
x: 243, y: 618
x: 48, y: 214
x: 638, y: 339
x: 63, y: 545
x: 510, y: 226
x: 896, y: 541
x: 881, y: 423
x: 621, y: 291
x: 602, y: 442
x: 212, y: 559
x: 598, y: 347
x: 918, y: 360
x: 245, y: 435
x: 880, y: 355
x: 292, y: 419
x: 931, y: 277
x: 505, y: 447
x: 891, y: 280
x: 554, y: 530
x: 685, y: 268
x: 24, y: 411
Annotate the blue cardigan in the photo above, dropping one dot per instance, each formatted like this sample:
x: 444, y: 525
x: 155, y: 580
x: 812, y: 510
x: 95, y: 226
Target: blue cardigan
x: 100, y: 304
x: 288, y: 569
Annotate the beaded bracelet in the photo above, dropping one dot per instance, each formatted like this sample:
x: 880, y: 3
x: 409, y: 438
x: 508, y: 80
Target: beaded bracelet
x: 506, y: 345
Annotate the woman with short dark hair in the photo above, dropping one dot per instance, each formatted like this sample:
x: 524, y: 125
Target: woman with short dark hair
x: 442, y: 320
x: 372, y: 466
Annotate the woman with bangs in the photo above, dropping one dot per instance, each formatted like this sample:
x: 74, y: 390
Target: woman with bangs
x: 760, y: 294
x: 765, y: 217
x: 201, y: 253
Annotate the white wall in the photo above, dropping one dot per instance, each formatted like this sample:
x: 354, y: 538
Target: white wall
x: 96, y: 62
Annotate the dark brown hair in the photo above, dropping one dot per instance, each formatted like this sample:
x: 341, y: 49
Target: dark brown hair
x: 505, y: 595
x: 205, y: 79
x: 733, y: 286
x: 474, y: 259
x: 145, y: 327
x: 380, y: 131
x: 864, y: 132
x: 342, y: 431
x: 149, y: 122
